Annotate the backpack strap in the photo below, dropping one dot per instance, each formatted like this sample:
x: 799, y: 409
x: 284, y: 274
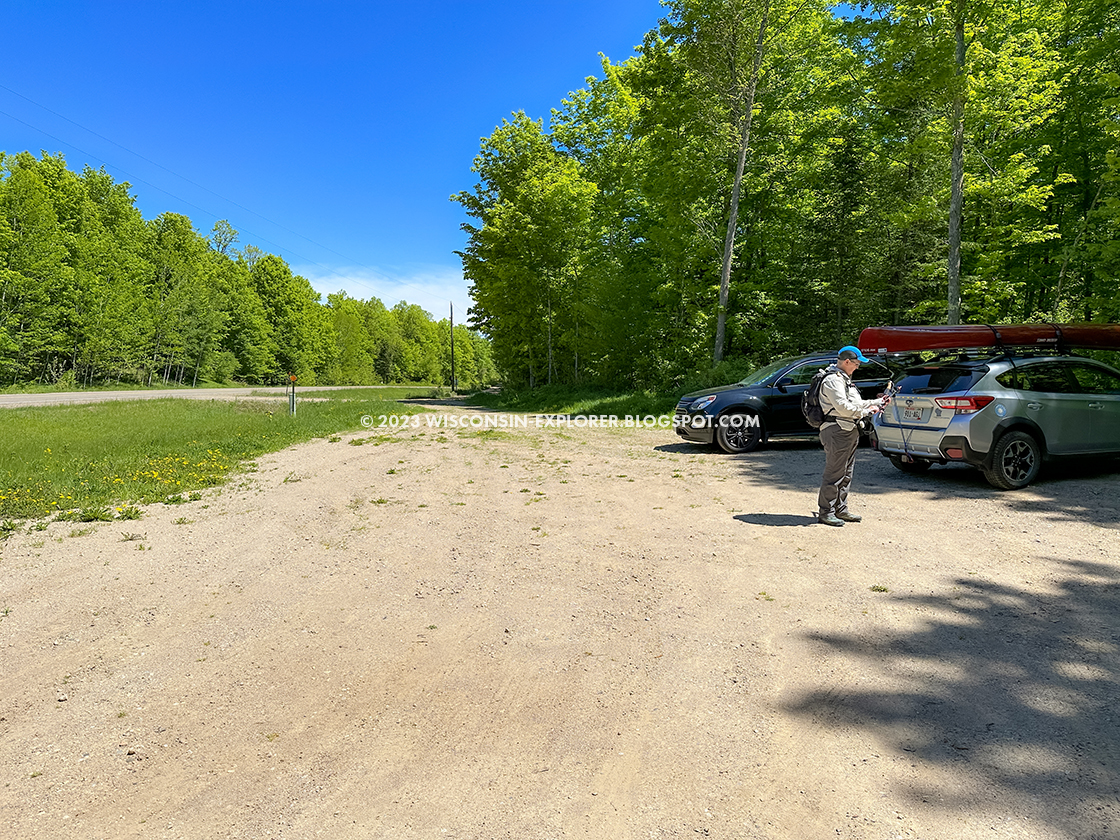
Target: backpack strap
x: 828, y: 416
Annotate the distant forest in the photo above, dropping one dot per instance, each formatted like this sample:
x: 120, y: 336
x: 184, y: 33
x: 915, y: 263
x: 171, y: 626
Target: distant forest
x: 91, y: 293
x: 766, y: 177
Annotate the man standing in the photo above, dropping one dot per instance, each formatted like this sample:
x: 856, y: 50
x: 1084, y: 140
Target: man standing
x: 843, y: 407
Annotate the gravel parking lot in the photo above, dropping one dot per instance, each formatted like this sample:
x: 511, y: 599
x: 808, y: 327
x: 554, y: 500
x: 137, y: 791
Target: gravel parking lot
x: 526, y: 633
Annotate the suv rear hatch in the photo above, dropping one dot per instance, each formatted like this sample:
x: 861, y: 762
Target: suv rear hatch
x: 927, y: 399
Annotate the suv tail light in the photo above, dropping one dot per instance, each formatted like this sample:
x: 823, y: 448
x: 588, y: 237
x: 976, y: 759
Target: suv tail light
x: 963, y: 405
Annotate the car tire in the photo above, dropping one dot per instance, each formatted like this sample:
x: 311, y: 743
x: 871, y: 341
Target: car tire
x: 1016, y: 460
x: 916, y: 466
x: 739, y: 431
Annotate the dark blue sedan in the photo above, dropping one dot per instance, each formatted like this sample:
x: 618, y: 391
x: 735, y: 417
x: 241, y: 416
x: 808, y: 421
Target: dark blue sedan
x: 741, y: 417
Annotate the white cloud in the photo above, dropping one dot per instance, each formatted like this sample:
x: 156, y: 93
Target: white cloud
x: 433, y: 288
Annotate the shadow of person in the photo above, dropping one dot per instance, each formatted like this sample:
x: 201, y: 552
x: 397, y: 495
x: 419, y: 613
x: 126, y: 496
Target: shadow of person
x: 776, y: 520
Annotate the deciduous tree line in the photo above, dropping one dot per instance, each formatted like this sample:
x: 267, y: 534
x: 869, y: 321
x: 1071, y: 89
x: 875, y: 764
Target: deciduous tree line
x: 91, y: 292
x: 767, y: 177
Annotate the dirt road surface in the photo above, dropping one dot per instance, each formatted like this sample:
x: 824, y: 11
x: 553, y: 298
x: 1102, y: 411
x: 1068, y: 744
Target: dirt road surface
x: 77, y: 397
x: 568, y: 633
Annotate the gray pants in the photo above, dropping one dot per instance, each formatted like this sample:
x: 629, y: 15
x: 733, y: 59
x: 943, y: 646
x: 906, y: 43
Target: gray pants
x: 839, y: 461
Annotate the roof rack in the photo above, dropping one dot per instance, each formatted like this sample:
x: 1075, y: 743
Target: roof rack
x: 910, y: 359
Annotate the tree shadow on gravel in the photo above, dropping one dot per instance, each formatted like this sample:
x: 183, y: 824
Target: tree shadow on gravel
x: 1080, y: 491
x: 1018, y: 690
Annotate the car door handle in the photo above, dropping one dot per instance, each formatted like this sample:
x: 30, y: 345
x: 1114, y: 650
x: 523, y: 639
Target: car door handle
x: 1034, y: 406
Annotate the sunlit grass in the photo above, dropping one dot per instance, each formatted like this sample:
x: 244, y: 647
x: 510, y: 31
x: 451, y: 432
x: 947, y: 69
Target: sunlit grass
x: 111, y: 455
x: 70, y: 387
x: 381, y: 392
x: 578, y: 401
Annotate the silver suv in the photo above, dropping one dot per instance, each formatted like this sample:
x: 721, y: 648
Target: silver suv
x: 1002, y: 414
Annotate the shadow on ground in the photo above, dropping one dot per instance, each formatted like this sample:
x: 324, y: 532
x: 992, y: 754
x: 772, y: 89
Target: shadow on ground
x: 783, y: 520
x: 1076, y: 490
x: 1017, y: 689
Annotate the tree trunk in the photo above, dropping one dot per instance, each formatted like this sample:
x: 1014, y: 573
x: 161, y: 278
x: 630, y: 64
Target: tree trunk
x: 548, y: 297
x: 575, y: 295
x: 733, y: 212
x: 1069, y: 252
x: 155, y: 357
x: 197, y: 363
x: 956, y: 192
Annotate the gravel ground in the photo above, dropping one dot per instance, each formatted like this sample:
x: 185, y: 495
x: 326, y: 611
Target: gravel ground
x: 568, y: 632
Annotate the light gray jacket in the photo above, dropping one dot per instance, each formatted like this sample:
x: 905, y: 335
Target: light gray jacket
x: 841, y: 402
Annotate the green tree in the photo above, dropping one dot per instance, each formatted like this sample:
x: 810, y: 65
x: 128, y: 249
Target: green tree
x: 420, y: 345
x: 35, y: 275
x: 525, y: 258
x: 353, y: 359
x: 293, y: 311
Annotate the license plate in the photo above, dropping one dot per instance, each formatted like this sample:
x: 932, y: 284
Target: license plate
x: 914, y: 414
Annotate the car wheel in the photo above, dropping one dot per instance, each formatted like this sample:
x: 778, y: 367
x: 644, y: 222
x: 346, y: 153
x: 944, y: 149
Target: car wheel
x: 739, y: 431
x: 1016, y: 459
x: 915, y: 466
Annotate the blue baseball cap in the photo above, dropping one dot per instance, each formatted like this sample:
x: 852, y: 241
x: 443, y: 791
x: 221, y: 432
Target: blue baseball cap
x: 851, y: 352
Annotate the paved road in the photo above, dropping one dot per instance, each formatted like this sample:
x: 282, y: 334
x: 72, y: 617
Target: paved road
x: 74, y: 397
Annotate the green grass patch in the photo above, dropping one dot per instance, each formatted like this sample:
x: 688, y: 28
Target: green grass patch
x: 565, y: 399
x: 68, y: 387
x: 106, y: 456
x: 371, y: 392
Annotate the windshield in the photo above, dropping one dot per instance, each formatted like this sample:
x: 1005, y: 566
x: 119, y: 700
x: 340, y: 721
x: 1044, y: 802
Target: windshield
x: 764, y: 373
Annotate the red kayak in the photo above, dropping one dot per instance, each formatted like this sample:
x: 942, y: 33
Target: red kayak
x: 912, y: 339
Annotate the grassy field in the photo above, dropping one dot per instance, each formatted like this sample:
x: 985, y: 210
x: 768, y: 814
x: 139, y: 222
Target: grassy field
x: 578, y: 401
x: 97, y: 461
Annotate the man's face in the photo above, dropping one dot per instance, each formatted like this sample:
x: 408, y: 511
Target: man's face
x: 849, y: 366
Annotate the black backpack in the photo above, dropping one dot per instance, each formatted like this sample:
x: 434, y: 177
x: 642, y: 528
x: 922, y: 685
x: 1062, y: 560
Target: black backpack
x: 811, y: 400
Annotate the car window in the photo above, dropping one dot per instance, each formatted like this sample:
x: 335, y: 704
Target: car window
x: 940, y: 380
x: 1095, y: 380
x: 868, y: 373
x: 1046, y: 378
x: 762, y: 374
x: 804, y: 375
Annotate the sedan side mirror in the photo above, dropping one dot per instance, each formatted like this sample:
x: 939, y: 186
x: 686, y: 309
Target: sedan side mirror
x: 782, y: 383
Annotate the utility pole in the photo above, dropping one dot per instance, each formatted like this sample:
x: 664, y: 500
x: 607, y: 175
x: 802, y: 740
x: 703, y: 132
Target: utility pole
x: 452, y: 348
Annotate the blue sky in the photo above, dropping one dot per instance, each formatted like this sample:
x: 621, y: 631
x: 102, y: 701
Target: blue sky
x: 330, y: 133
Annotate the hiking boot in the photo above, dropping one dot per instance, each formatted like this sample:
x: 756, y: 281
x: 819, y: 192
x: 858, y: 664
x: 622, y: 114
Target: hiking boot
x: 849, y: 517
x: 829, y: 519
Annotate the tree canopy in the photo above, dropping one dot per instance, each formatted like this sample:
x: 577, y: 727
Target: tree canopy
x: 916, y: 162
x: 91, y: 292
